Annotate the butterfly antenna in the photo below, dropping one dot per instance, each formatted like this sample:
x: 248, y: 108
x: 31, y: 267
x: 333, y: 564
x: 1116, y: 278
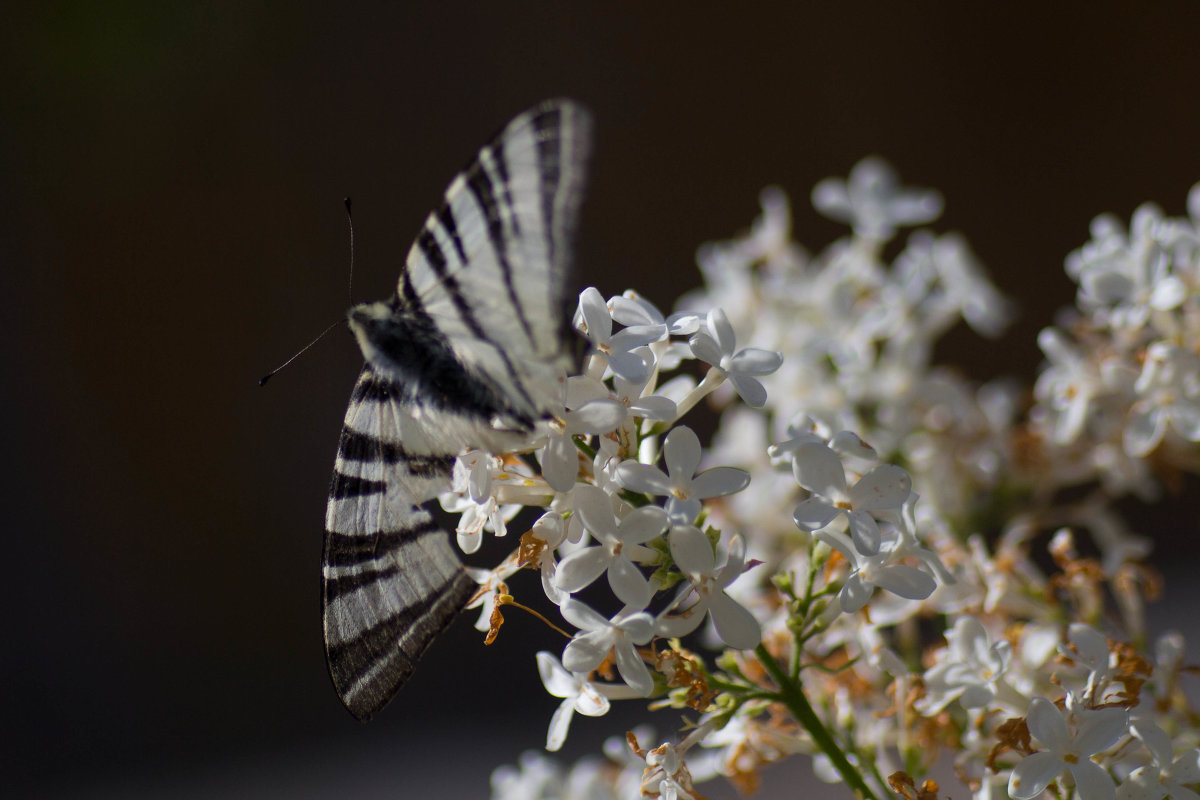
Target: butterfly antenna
x: 263, y: 380
x: 350, y: 290
x: 350, y: 222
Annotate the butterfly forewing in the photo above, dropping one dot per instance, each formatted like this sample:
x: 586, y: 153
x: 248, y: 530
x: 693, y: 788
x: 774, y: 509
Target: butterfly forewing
x: 483, y: 284
x: 491, y: 267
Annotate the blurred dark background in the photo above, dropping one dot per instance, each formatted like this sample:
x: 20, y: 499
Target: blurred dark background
x: 172, y: 228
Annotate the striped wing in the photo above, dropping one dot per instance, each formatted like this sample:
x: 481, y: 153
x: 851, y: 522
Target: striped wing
x: 479, y: 302
x: 490, y: 267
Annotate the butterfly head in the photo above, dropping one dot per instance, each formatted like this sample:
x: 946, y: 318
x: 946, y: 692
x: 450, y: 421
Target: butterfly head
x: 370, y: 323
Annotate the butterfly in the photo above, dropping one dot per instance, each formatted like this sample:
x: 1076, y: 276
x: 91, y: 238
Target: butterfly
x: 467, y: 353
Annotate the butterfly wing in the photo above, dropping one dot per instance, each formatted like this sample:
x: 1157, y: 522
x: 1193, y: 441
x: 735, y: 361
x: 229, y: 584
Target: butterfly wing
x: 491, y: 266
x: 483, y: 286
x: 391, y: 579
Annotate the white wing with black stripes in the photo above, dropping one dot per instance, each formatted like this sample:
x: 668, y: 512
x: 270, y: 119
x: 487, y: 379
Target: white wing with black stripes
x: 466, y: 354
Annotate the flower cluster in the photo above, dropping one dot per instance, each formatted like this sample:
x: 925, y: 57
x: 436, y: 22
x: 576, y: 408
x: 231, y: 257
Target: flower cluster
x: 895, y: 564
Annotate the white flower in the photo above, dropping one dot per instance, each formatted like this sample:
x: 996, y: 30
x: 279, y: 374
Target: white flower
x: 1167, y: 776
x: 970, y: 670
x: 551, y: 530
x: 1071, y: 738
x: 594, y: 320
x: 600, y: 636
x: 872, y: 201
x: 632, y: 405
x: 1067, y: 385
x: 716, y: 346
x: 472, y: 497
x: 867, y: 572
x: 1090, y: 649
x: 1126, y: 277
x: 490, y: 581
x: 537, y: 778
x: 578, y: 694
x: 667, y: 776
x: 819, y: 470
x: 1168, y: 392
x: 621, y: 544
x: 655, y: 407
x: 683, y: 487
x: 770, y: 238
x: 634, y: 311
x: 941, y: 278
x: 590, y: 414
x: 800, y: 431
x: 694, y: 556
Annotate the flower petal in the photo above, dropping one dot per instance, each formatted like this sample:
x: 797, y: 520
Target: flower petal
x: 683, y: 512
x: 628, y: 583
x: 653, y: 407
x: 1033, y: 774
x: 818, y: 469
x: 736, y: 626
x: 905, y: 581
x: 1091, y: 780
x: 1100, y: 729
x: 581, y: 568
x: 1048, y: 725
x: 582, y: 616
x: 633, y: 670
x: 593, y: 313
x: 590, y: 702
x: 629, y: 365
x: 559, y: 723
x: 597, y: 416
x: 692, y: 551
x: 705, y: 348
x: 814, y: 513
x: 643, y: 478
x: 595, y: 509
x: 722, y: 330
x: 752, y: 392
x: 864, y: 530
x: 1144, y: 430
x: 642, y: 525
x: 855, y: 594
x: 560, y: 463
x: 885, y: 486
x: 756, y: 361
x: 555, y: 677
x: 681, y: 453
x: 719, y: 481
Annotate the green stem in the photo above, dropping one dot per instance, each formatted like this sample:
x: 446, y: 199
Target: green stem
x: 587, y: 449
x: 791, y: 695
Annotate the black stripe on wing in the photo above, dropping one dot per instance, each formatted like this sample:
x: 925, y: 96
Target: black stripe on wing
x: 432, y: 251
x: 446, y: 218
x: 549, y: 152
x: 370, y: 669
x: 352, y: 582
x: 480, y: 183
x: 348, y: 549
x: 358, y: 446
x: 345, y: 486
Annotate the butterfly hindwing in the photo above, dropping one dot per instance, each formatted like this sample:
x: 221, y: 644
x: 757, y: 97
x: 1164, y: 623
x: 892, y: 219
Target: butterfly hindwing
x: 465, y: 355
x: 391, y: 580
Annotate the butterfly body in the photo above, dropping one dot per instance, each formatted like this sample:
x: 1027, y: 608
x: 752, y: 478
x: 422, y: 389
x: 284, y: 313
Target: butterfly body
x: 466, y: 354
x: 408, y: 350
